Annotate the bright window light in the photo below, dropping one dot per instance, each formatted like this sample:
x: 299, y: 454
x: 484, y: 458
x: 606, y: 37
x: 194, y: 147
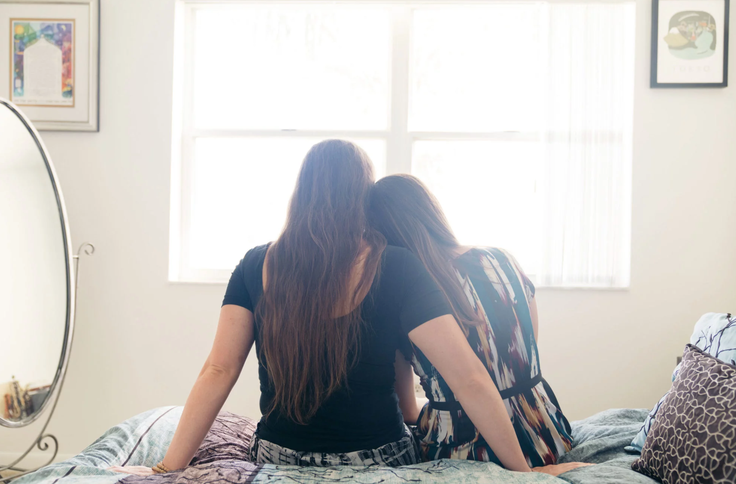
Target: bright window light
x: 291, y: 67
x: 517, y: 115
x: 242, y: 184
x: 486, y: 191
x: 476, y: 69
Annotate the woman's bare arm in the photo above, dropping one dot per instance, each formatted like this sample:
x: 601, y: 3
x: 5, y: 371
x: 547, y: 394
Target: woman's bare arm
x: 442, y: 341
x: 404, y: 387
x: 233, y: 342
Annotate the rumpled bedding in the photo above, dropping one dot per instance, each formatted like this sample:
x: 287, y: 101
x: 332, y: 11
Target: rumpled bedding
x: 600, y: 440
x: 143, y: 439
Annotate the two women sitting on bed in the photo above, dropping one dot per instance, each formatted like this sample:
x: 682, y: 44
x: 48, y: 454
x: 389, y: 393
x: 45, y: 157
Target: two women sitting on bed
x: 364, y: 277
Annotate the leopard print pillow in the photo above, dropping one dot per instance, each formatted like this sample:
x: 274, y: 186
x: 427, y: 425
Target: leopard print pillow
x: 714, y: 333
x: 693, y: 439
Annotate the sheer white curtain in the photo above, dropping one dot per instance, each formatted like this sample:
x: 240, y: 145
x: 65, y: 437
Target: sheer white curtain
x: 586, y: 180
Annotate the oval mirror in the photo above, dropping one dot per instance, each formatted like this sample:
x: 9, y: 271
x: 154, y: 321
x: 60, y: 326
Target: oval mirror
x: 36, y: 291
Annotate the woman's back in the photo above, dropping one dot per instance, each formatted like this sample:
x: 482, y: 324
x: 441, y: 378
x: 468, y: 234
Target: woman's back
x: 328, y: 306
x: 500, y: 293
x: 363, y: 414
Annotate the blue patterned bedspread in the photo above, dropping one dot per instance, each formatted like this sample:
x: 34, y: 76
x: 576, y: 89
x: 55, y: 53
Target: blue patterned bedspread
x: 143, y: 439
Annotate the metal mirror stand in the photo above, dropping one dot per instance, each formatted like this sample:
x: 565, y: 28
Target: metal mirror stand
x: 42, y: 441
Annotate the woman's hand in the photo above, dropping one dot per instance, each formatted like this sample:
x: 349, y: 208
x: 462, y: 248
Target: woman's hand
x: 134, y: 470
x: 556, y: 470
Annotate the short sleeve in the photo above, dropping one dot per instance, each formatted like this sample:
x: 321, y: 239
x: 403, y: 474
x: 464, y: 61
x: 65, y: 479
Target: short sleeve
x: 422, y: 300
x: 237, y: 292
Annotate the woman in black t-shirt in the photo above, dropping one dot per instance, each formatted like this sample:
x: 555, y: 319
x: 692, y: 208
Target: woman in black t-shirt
x: 329, y: 306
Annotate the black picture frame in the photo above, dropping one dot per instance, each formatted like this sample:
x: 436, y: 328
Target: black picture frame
x: 654, y: 49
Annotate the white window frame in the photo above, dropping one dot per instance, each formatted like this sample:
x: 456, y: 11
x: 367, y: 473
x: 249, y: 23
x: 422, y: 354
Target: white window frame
x: 399, y: 140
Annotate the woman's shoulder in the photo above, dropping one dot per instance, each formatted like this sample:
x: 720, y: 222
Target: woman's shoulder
x: 404, y: 267
x: 244, y: 284
x: 489, y: 256
x: 253, y: 259
x: 502, y: 258
x: 486, y: 251
x: 394, y: 255
x: 257, y: 252
x: 395, y: 252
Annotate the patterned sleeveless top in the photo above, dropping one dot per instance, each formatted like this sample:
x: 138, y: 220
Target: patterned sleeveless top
x: 500, y: 293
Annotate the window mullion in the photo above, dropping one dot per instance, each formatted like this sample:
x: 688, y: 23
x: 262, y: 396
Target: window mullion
x: 187, y: 141
x: 399, y: 142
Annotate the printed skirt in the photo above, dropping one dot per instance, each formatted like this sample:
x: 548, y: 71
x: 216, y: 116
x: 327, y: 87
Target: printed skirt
x: 400, y: 453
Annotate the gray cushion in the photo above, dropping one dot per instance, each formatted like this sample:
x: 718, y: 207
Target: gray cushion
x: 693, y: 438
x: 714, y: 333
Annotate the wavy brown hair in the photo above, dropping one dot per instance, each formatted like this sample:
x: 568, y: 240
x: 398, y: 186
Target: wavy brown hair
x: 404, y: 210
x: 323, y: 262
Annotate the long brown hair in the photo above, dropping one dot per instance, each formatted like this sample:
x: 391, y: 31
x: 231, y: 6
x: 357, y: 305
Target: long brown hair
x: 409, y: 216
x: 309, y: 343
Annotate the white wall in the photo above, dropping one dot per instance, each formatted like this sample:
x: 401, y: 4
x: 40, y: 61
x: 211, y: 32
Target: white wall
x: 140, y: 340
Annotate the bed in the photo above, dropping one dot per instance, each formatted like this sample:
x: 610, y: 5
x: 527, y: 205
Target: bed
x: 142, y: 440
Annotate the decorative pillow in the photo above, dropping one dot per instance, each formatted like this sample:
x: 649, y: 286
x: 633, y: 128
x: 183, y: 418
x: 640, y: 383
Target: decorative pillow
x: 693, y: 438
x: 715, y: 334
x: 228, y: 439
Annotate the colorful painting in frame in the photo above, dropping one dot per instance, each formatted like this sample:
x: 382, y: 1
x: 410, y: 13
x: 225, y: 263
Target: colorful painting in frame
x: 42, y: 71
x: 689, y: 43
x: 50, y: 49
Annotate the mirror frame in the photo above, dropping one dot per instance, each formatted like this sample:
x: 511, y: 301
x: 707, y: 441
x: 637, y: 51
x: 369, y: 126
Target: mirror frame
x: 70, y: 296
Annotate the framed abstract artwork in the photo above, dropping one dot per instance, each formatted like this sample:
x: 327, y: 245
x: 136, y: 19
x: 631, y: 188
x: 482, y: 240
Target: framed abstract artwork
x: 689, y: 43
x: 49, y: 61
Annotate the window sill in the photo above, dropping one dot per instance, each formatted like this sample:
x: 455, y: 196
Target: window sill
x: 583, y: 288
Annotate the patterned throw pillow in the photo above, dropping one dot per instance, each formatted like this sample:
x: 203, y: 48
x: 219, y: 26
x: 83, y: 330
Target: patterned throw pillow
x: 715, y: 334
x: 693, y: 438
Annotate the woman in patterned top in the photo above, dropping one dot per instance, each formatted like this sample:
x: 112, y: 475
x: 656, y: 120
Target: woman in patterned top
x: 493, y: 301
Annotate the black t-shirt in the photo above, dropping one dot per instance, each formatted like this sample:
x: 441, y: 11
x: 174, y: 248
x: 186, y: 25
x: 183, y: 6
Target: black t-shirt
x: 365, y: 415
